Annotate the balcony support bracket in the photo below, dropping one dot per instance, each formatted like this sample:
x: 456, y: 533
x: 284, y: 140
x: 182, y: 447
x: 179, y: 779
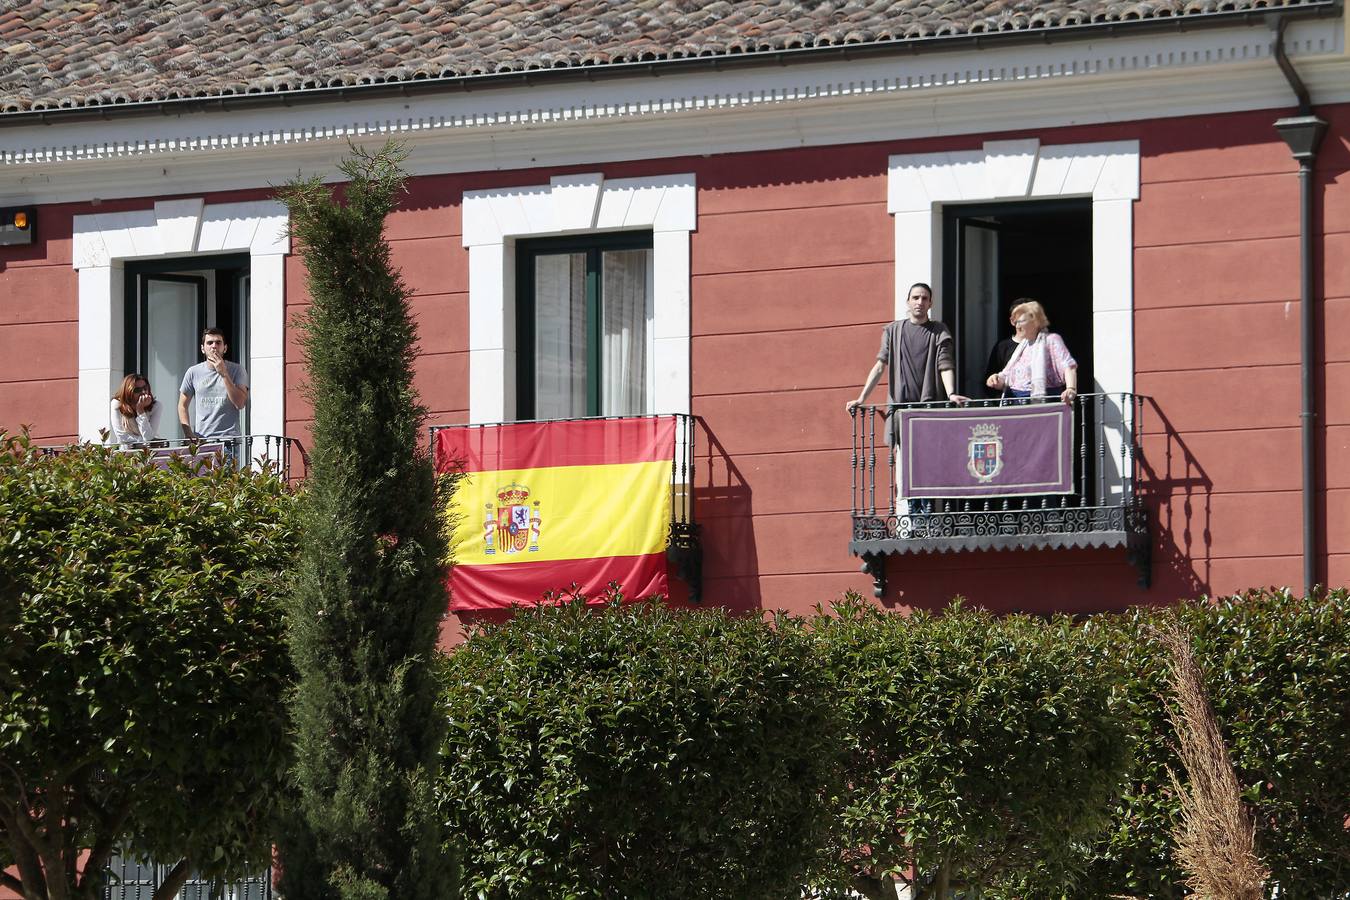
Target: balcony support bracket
x: 685, y: 557
x: 1139, y: 547
x: 874, y: 565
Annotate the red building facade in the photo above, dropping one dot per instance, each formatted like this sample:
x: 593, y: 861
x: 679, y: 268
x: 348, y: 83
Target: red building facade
x: 786, y: 210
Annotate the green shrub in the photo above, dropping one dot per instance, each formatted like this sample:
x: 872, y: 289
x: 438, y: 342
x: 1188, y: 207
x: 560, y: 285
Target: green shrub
x: 980, y: 749
x: 143, y: 669
x: 369, y: 591
x: 1278, y: 672
x: 637, y: 752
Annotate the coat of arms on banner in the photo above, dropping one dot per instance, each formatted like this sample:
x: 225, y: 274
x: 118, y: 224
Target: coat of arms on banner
x: 512, y: 524
x: 985, y: 453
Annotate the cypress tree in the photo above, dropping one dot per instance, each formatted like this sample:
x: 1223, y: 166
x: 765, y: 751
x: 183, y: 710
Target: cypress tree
x: 369, y: 590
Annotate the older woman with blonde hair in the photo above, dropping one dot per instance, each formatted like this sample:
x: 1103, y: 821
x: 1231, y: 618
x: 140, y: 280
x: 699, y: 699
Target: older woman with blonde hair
x: 133, y: 416
x: 1041, y: 366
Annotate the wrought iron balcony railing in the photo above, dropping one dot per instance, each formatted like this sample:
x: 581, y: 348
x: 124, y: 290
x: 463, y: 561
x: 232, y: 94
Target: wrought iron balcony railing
x: 259, y: 452
x: 1101, y: 509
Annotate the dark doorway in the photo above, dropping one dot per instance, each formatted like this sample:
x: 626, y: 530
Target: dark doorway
x: 169, y: 302
x: 995, y: 253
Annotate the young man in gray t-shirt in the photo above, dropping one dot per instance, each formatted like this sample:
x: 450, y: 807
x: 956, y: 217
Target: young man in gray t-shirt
x: 219, y: 389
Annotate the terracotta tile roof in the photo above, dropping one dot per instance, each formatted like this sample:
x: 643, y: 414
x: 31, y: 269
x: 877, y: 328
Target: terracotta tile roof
x: 72, y: 53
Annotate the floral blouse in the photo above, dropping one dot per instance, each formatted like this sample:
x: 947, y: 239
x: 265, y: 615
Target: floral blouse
x: 1018, y: 375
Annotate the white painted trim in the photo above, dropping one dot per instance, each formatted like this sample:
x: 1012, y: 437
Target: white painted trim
x: 575, y: 204
x: 983, y: 90
x: 919, y: 185
x: 103, y: 243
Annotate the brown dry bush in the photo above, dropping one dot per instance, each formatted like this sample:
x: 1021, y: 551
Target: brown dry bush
x: 1216, y: 837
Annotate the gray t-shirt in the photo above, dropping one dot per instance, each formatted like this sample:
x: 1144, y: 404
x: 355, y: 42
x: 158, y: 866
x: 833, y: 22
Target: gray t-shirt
x: 213, y: 415
x: 914, y: 360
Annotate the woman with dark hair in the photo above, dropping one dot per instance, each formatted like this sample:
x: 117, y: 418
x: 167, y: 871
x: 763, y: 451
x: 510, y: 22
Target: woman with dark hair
x: 133, y: 417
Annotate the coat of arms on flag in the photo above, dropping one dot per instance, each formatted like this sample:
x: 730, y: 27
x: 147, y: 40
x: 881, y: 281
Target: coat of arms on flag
x: 511, y: 525
x: 985, y: 452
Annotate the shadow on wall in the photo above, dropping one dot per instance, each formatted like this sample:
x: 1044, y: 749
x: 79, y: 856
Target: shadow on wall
x: 1177, y: 493
x: 722, y: 505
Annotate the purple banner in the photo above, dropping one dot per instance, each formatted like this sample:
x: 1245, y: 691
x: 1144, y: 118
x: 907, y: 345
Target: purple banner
x: 997, y: 451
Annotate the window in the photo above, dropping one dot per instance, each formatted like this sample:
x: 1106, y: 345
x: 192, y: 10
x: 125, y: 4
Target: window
x: 1011, y: 179
x: 584, y: 320
x: 186, y: 236
x: 169, y: 303
x: 996, y: 253
x: 576, y: 214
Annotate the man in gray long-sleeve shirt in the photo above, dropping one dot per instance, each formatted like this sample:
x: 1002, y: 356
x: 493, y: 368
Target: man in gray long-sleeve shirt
x: 920, y: 356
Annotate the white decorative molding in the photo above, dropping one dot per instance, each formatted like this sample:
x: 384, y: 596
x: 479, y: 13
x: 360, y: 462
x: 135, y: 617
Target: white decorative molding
x: 104, y: 242
x: 982, y: 90
x: 575, y: 204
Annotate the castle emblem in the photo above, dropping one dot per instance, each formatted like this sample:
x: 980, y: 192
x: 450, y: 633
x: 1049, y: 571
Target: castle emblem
x: 984, y: 457
x: 513, y: 523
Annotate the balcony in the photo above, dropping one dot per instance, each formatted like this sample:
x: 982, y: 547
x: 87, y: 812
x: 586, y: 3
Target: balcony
x: 1094, y: 501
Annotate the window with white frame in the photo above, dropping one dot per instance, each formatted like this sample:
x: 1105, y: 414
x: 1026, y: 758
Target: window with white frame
x: 924, y: 190
x: 939, y: 199
x: 240, y: 248
x: 579, y: 297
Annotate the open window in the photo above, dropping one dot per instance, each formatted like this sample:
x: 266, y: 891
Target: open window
x: 584, y: 309
x: 168, y: 304
x: 997, y: 253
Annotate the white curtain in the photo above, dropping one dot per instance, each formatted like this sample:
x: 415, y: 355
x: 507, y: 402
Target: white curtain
x: 560, y: 335
x: 626, y: 302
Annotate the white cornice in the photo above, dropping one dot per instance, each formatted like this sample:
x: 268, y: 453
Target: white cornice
x: 981, y: 91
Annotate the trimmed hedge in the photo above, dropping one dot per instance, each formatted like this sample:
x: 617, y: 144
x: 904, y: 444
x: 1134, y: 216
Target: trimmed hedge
x: 1277, y: 668
x: 643, y: 752
x: 637, y: 752
x: 980, y: 749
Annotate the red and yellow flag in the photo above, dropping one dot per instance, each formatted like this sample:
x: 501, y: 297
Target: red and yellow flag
x: 543, y: 505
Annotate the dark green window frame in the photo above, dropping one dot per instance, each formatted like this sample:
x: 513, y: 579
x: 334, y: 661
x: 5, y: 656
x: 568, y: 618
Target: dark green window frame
x: 593, y: 245
x: 227, y: 269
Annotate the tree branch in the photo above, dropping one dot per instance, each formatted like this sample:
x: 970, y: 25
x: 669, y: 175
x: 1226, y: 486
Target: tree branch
x: 872, y: 887
x: 9, y: 882
x: 173, y: 882
x: 111, y: 829
x: 26, y: 855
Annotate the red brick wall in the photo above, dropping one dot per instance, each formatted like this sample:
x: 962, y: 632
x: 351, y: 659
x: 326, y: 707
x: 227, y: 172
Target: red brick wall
x: 39, y: 303
x: 792, y: 278
x: 1217, y: 347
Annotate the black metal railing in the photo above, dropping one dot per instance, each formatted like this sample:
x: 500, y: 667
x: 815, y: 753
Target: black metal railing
x: 284, y: 456
x: 131, y: 879
x: 1104, y: 509
x: 684, y: 550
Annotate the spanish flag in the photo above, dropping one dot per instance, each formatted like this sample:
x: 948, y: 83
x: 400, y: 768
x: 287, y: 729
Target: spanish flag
x: 543, y: 505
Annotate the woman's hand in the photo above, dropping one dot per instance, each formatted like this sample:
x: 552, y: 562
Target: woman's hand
x: 1069, y: 395
x: 994, y: 381
x: 145, y: 402
x: 851, y: 405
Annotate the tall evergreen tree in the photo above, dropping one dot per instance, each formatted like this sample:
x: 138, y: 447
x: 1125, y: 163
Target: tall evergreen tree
x: 370, y: 587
